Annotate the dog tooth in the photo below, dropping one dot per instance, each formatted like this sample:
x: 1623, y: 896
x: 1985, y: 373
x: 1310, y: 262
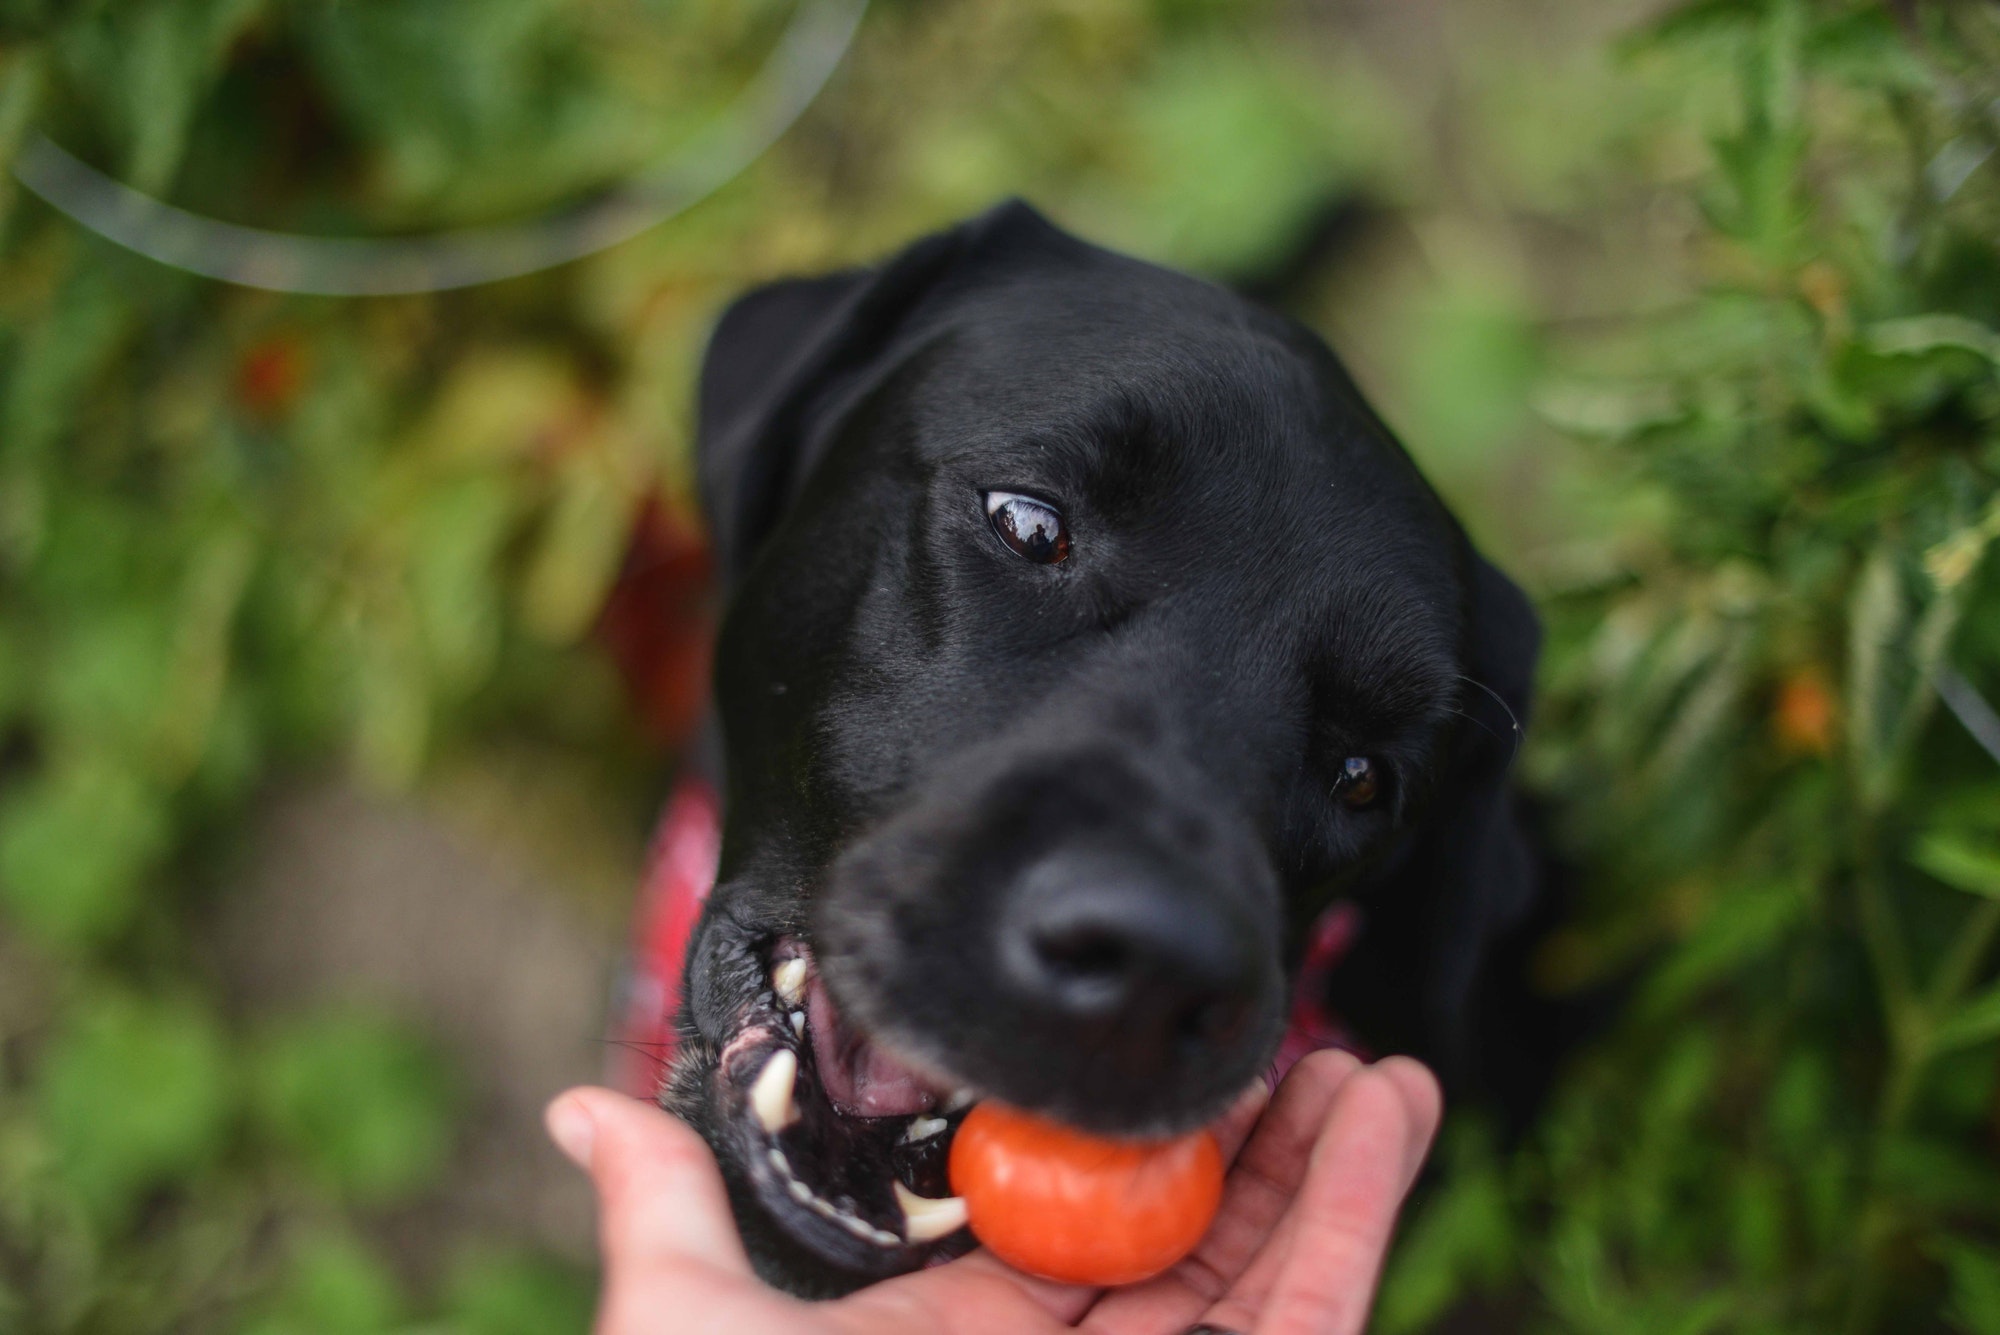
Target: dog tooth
x: 778, y: 1161
x: 960, y: 1099
x: 800, y: 1192
x: 860, y: 1228
x: 790, y: 980
x: 882, y: 1237
x: 923, y: 1128
x: 927, y: 1220
x: 799, y: 1023
x: 771, y: 1096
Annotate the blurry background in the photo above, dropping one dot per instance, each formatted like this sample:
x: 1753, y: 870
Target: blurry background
x: 330, y: 733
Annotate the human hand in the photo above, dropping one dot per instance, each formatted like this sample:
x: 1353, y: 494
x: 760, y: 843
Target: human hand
x: 1297, y: 1245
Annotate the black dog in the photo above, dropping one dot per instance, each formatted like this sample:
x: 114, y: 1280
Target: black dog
x: 1087, y: 634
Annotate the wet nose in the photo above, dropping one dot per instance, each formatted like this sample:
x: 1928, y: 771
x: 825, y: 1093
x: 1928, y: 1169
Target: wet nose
x: 1134, y: 950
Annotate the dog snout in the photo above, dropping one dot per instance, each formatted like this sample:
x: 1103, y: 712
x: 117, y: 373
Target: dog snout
x: 1048, y: 932
x: 1132, y: 946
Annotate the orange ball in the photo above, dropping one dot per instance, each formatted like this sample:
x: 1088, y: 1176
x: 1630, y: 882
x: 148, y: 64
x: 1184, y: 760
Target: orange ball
x: 1076, y: 1208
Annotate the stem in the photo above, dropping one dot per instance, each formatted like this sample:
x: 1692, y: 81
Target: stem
x: 1882, y: 935
x: 1907, y: 1025
x: 1911, y: 1025
x: 1955, y: 972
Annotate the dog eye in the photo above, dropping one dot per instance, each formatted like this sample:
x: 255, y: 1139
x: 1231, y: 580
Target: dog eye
x: 1359, y: 783
x: 1031, y: 527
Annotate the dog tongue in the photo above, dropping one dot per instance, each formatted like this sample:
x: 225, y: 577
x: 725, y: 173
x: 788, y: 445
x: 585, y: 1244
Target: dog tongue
x: 860, y: 1078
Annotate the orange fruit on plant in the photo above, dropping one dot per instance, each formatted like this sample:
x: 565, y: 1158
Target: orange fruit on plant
x: 1804, y: 715
x: 1068, y: 1206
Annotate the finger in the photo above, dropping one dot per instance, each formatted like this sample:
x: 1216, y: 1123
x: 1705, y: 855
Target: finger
x: 661, y: 1202
x: 1319, y: 1275
x: 1284, y: 1140
x: 1261, y: 1185
x: 978, y: 1294
x: 1233, y: 1128
x: 1425, y: 1101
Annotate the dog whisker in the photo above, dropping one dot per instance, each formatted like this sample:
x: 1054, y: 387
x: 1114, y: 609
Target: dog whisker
x: 1512, y: 718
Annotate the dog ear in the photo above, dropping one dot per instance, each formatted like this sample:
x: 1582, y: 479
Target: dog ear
x: 1450, y: 920
x: 785, y: 359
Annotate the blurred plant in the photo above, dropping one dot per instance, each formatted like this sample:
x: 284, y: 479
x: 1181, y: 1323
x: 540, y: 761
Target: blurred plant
x: 1793, y: 856
x: 242, y: 534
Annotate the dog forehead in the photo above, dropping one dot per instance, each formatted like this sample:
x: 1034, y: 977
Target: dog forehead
x: 1172, y: 406
x: 1038, y: 342
x: 1221, y: 442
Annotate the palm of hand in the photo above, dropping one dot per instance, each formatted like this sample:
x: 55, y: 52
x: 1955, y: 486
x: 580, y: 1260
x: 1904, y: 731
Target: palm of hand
x: 1312, y: 1194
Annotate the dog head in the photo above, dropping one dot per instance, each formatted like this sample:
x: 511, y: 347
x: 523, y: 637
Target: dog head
x: 1086, y: 633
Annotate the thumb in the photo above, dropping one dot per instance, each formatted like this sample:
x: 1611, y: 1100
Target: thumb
x: 660, y: 1199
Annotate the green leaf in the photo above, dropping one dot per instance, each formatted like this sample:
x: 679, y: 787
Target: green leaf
x: 1232, y: 150
x: 455, y: 577
x: 1866, y: 48
x: 110, y: 667
x: 1974, y: 1305
x: 1878, y: 621
x: 1896, y: 644
x: 147, y: 64
x: 1703, y: 19
x: 133, y: 1092
x: 1460, y: 1240
x: 58, y: 356
x: 577, y: 555
x: 1977, y: 1021
x: 73, y: 847
x: 1743, y: 925
x: 333, y: 1286
x: 21, y: 84
x: 1959, y: 862
x: 361, y: 1105
x: 1938, y: 1174
x: 517, y: 1293
x: 1928, y: 333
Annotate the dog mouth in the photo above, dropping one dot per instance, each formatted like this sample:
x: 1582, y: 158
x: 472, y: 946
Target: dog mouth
x: 844, y: 1144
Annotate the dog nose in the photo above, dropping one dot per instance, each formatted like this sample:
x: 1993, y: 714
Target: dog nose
x: 1146, y: 960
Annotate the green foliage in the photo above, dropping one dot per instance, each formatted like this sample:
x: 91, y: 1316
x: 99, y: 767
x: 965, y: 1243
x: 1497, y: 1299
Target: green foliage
x: 334, y: 1285
x: 73, y: 845
x: 132, y: 1095
x: 355, y: 1102
x: 494, y: 1293
x: 1788, y: 840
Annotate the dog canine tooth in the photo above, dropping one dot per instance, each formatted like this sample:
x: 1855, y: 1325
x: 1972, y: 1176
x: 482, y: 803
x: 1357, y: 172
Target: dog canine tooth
x: 923, y: 1128
x: 927, y: 1220
x: 799, y: 1023
x: 789, y: 980
x: 771, y: 1096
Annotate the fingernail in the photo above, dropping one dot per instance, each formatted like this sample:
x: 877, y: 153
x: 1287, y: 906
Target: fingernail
x: 572, y: 1129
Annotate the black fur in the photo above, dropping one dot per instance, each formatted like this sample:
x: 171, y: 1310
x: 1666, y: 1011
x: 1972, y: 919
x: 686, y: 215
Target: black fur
x: 923, y: 731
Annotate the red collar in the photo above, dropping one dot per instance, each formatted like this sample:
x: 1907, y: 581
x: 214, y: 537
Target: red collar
x: 680, y: 871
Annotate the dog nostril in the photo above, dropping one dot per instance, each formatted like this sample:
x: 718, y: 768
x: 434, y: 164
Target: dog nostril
x: 1206, y: 1023
x: 1156, y: 964
x: 1084, y: 953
